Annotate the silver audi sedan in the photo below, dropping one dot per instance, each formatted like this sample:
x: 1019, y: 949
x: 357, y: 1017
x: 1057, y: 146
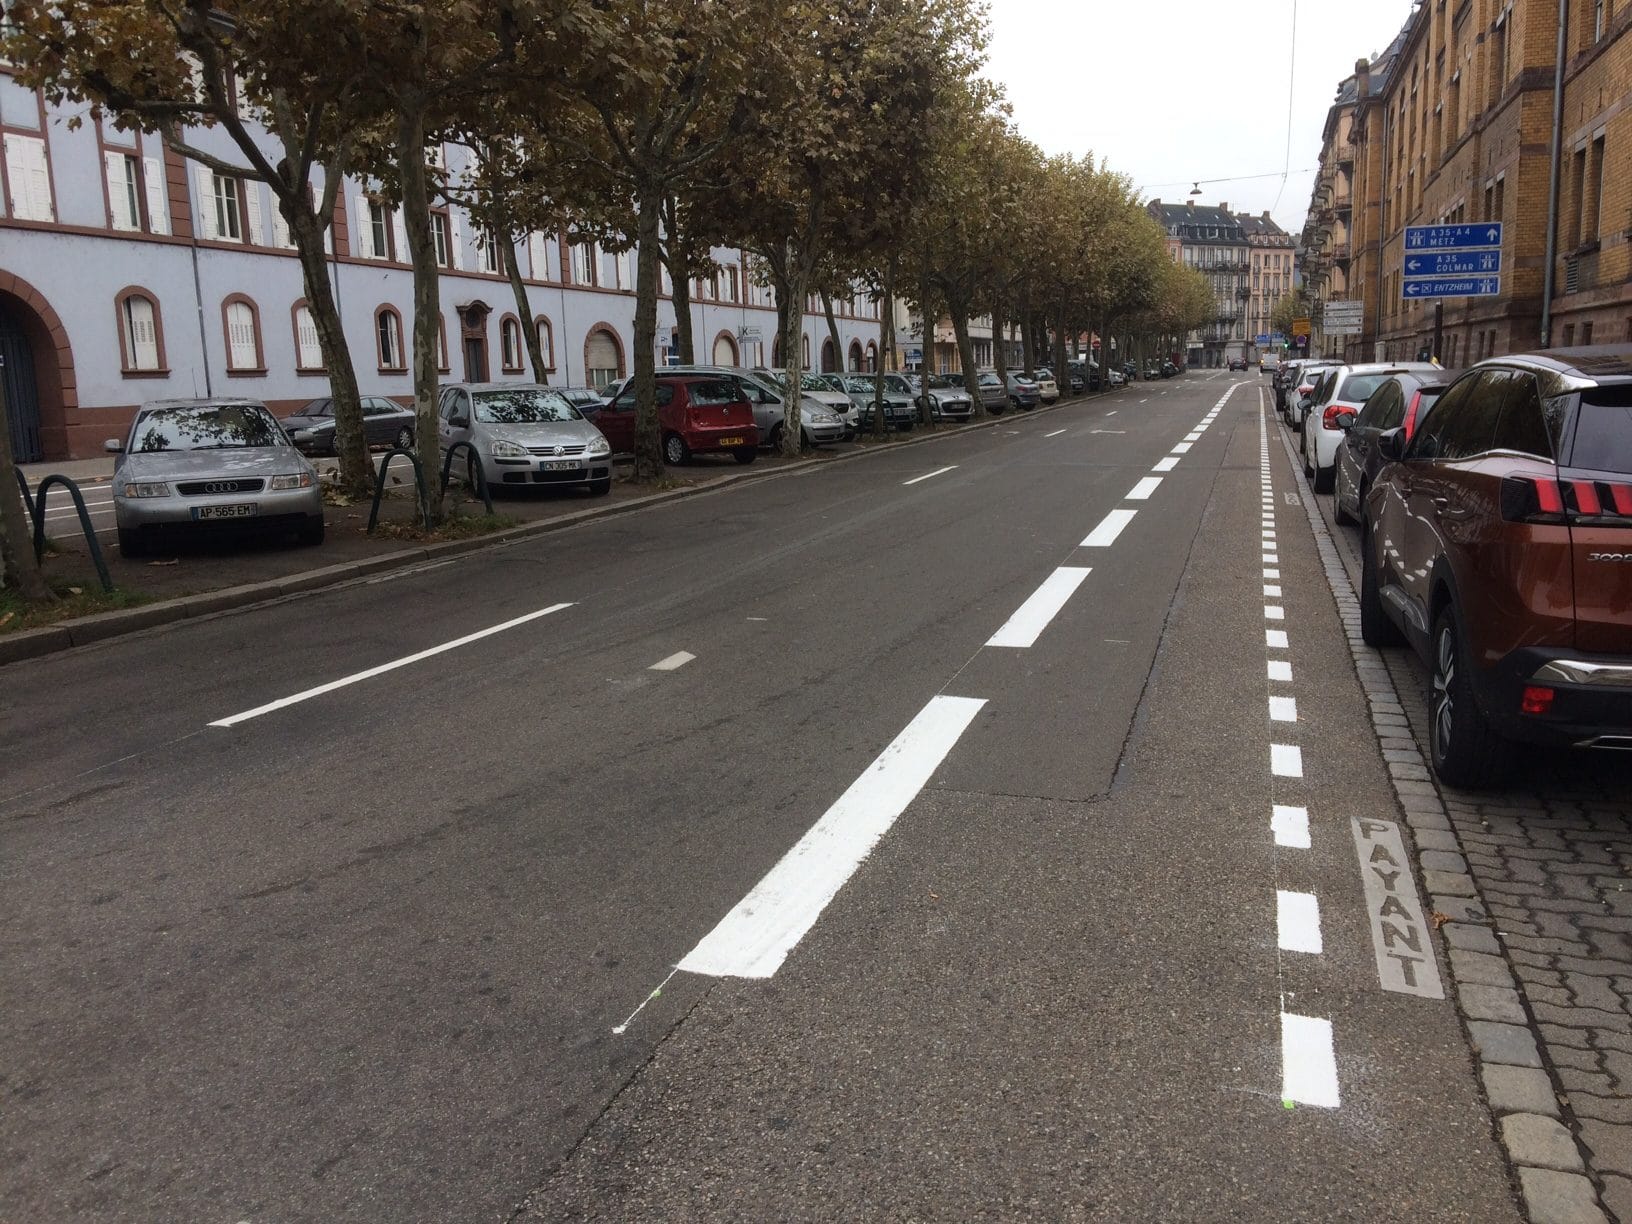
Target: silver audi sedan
x: 221, y: 465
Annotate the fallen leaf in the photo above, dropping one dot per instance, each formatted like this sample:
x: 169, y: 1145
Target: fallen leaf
x: 76, y: 590
x: 1439, y: 919
x: 172, y: 561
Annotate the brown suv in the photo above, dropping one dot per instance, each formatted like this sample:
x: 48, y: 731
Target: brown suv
x: 1498, y: 541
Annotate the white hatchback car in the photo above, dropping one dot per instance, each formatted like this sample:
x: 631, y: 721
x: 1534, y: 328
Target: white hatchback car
x: 1343, y: 391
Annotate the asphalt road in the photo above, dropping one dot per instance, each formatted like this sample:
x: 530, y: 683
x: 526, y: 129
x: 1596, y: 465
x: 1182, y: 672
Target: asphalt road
x: 965, y: 857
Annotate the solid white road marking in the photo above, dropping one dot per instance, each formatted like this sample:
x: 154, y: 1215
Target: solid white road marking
x: 1308, y: 1061
x: 1275, y: 639
x: 1055, y: 434
x: 674, y: 662
x: 927, y: 475
x: 1297, y: 921
x: 755, y: 938
x: 1283, y: 709
x: 371, y: 672
x: 1143, y: 490
x: 1280, y: 670
x: 1109, y: 528
x: 1032, y: 617
x: 1291, y: 826
x: 1286, y: 760
x: 1166, y: 465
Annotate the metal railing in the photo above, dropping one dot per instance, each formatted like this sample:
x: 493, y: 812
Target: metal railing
x: 35, y: 504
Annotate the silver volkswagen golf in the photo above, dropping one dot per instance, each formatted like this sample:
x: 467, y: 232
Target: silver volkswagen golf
x: 210, y: 464
x: 524, y: 435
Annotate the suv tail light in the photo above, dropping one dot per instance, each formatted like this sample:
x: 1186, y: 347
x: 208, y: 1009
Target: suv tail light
x: 1328, y: 419
x: 1541, y: 499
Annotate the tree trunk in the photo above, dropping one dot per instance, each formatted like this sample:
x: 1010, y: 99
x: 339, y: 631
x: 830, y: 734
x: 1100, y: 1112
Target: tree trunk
x: 1028, y: 341
x: 350, y: 444
x: 790, y: 316
x: 833, y: 330
x: 926, y: 351
x: 680, y: 274
x: 1000, y: 353
x: 524, y: 308
x: 959, y: 310
x: 1059, y: 349
x: 416, y: 217
x: 18, y: 566
x: 648, y: 439
x: 879, y: 423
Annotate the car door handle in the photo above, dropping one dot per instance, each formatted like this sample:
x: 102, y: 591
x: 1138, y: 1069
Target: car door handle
x: 1445, y: 510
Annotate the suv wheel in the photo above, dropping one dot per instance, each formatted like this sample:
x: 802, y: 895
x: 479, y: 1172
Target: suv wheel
x: 1375, y: 627
x: 1463, y: 747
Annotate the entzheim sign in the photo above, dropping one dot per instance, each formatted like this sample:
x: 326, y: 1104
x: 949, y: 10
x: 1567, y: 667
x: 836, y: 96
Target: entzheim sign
x: 1444, y: 261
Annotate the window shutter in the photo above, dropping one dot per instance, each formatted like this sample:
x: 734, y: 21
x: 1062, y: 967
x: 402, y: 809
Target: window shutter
x: 143, y: 336
x: 252, y: 200
x: 280, y: 227
x: 458, y: 232
x: 362, y: 244
x: 538, y: 256
x: 241, y: 337
x: 205, y: 182
x: 400, y: 226
x: 119, y: 203
x: 30, y: 181
x: 306, y: 343
x: 158, y: 209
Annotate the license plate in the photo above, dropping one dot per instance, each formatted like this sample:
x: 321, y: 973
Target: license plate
x: 731, y: 441
x: 242, y: 510
x: 559, y: 465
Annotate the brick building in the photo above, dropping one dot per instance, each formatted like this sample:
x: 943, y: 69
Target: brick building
x: 1454, y: 123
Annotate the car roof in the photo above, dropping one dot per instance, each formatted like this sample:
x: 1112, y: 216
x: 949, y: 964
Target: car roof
x: 203, y: 401
x: 497, y: 386
x: 1604, y: 364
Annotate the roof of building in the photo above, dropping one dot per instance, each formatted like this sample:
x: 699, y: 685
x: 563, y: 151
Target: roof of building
x: 1199, y: 223
x: 1263, y: 230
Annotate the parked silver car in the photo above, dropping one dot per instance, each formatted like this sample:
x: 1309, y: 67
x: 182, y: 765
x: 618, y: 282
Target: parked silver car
x: 523, y: 434
x: 994, y: 396
x: 203, y: 464
x: 1047, y: 389
x: 946, y: 402
x: 899, y: 412
x: 819, y: 387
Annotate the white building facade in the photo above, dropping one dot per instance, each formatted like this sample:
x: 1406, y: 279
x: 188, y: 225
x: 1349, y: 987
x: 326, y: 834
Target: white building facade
x: 129, y: 274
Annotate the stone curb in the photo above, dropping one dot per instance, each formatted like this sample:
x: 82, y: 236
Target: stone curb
x: 82, y: 631
x: 1540, y: 1135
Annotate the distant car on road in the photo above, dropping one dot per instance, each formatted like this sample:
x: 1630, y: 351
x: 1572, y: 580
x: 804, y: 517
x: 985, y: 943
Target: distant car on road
x: 1497, y: 545
x: 1238, y: 363
x: 385, y: 423
x: 523, y: 434
x: 210, y: 465
x: 1047, y: 389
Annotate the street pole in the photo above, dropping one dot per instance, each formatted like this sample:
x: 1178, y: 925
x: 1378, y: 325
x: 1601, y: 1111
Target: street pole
x: 1553, y: 177
x: 1439, y: 329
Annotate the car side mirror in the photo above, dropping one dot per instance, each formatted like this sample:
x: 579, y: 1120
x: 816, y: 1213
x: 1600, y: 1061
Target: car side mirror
x: 459, y: 422
x: 1392, y: 445
x: 113, y: 446
x: 1345, y: 421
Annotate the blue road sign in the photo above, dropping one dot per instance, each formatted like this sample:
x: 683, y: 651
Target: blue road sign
x: 1478, y: 237
x: 1276, y: 338
x: 1454, y: 263
x: 1466, y: 286
x: 1262, y: 341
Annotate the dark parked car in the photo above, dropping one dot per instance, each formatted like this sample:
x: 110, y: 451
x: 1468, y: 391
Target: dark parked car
x: 1399, y: 403
x: 697, y: 413
x: 1499, y: 545
x: 1169, y: 369
x: 385, y: 423
x: 1238, y: 363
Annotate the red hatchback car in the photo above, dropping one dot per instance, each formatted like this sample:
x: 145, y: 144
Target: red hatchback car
x: 697, y: 413
x: 1498, y: 541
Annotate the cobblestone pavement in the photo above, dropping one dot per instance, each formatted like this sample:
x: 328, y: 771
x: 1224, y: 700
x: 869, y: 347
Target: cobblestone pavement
x: 1551, y: 856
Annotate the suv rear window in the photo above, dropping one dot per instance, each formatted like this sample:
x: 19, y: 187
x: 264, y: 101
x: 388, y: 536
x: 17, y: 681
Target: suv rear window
x: 1603, y: 430
x: 1357, y: 388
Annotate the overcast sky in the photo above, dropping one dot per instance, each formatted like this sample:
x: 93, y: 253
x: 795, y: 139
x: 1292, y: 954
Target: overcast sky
x: 1171, y: 91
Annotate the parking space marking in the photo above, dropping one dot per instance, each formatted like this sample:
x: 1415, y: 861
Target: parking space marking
x: 370, y: 673
x: 674, y: 662
x: 1032, y: 617
x: 1165, y: 465
x: 1286, y: 760
x: 755, y: 938
x: 1297, y: 922
x: 1109, y: 528
x: 1283, y: 709
x: 1308, y: 1061
x: 928, y: 475
x: 1290, y: 826
x: 1143, y: 490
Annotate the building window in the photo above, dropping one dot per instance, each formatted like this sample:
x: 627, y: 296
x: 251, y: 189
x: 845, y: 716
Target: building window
x: 29, y: 176
x: 510, y: 344
x: 243, y: 332
x: 546, y: 341
x: 487, y: 250
x: 603, y: 357
x: 371, y: 221
x: 1586, y: 332
x: 442, y: 239
x: 583, y: 264
x: 388, y: 338
x: 441, y: 344
x: 124, y: 192
x: 1598, y: 21
x: 308, y: 350
x: 1592, y: 223
x: 141, y: 340
x: 218, y: 206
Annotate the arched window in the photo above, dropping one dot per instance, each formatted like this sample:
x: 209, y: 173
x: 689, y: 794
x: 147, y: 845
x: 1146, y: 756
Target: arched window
x: 241, y: 323
x: 725, y: 350
x: 141, y: 332
x: 510, y: 344
x: 855, y: 355
x: 388, y: 338
x: 805, y: 355
x: 546, y: 341
x: 441, y: 344
x: 603, y: 356
x: 872, y: 357
x: 308, y: 349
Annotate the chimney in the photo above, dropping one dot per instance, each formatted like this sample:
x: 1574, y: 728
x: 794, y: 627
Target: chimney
x: 1362, y: 79
x: 1266, y: 214
x: 1190, y: 204
x: 1223, y: 206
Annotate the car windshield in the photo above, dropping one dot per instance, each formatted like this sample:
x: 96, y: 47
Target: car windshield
x: 809, y: 382
x: 938, y: 383
x: 859, y: 385
x: 894, y: 382
x: 1603, y: 430
x: 990, y: 380
x: 317, y: 408
x: 523, y: 407
x: 205, y: 427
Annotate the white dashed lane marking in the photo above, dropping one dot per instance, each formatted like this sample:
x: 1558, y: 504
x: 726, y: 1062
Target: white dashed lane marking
x: 674, y: 662
x: 1104, y: 535
x: 1297, y: 922
x: 1032, y: 617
